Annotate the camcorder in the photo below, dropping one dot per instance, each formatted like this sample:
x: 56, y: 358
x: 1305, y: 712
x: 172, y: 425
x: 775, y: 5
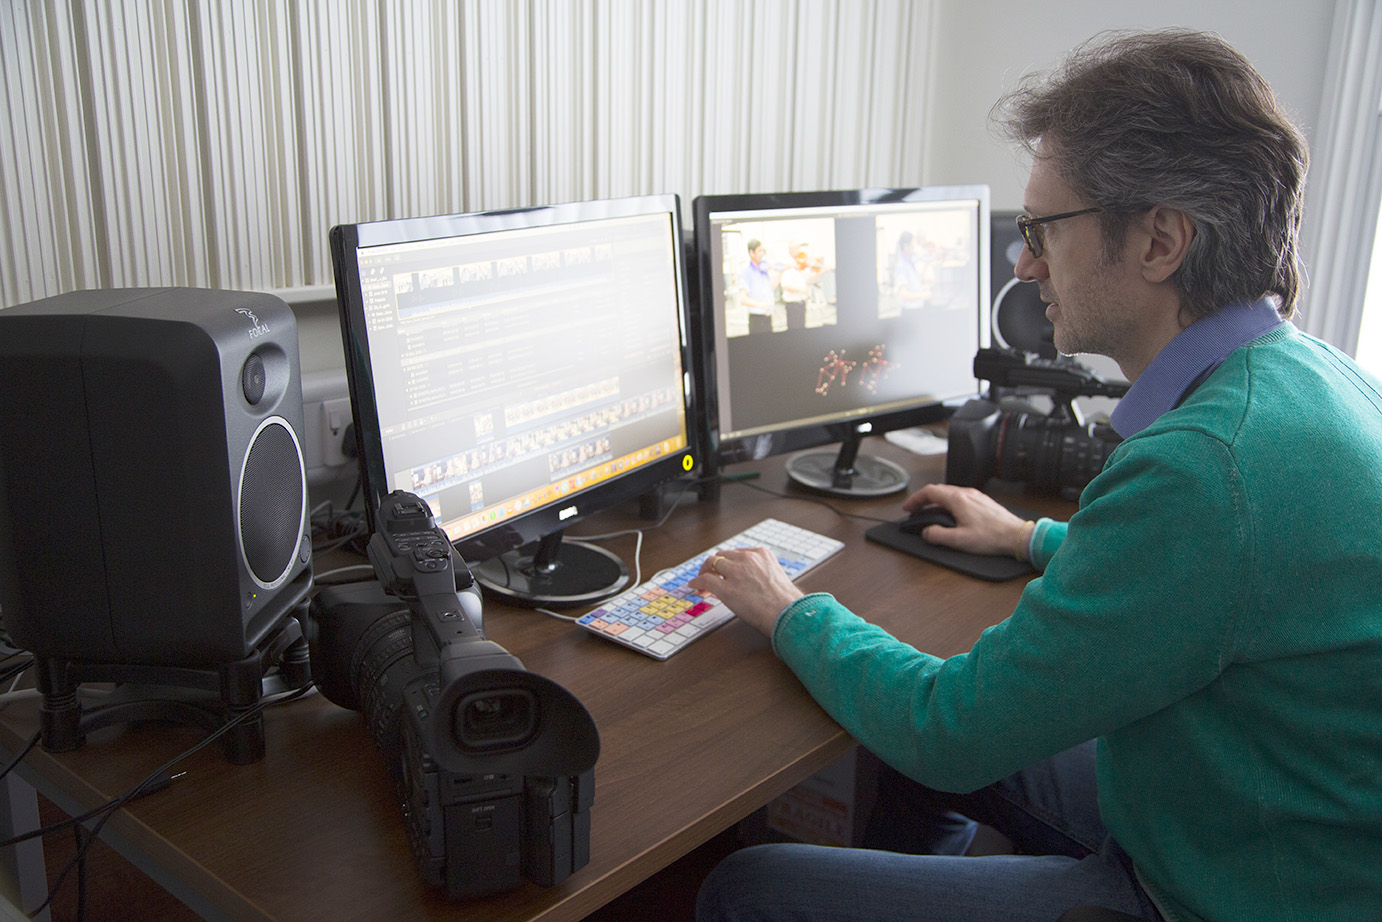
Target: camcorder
x: 494, y: 764
x: 1055, y: 454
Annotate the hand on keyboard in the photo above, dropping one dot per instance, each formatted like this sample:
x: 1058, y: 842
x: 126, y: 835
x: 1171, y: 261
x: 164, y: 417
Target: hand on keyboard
x: 751, y: 582
x: 664, y: 614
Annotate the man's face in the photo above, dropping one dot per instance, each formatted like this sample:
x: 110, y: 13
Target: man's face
x: 1086, y: 295
x: 801, y: 259
x: 757, y: 254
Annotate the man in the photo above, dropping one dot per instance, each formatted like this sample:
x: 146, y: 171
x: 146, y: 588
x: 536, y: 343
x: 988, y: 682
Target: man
x: 1211, y: 617
x: 912, y: 292
x: 756, y: 290
x: 796, y: 281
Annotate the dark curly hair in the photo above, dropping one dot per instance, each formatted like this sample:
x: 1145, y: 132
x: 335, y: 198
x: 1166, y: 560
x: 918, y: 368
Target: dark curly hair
x: 1180, y: 119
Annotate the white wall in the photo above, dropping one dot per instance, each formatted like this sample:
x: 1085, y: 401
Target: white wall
x: 983, y: 46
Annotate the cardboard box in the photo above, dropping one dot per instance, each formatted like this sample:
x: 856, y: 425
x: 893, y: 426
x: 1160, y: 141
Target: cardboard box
x: 829, y: 808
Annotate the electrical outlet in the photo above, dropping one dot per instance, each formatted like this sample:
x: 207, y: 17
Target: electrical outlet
x: 325, y: 417
x: 335, y: 419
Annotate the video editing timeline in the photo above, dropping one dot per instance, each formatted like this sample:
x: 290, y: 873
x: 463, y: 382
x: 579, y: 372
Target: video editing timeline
x: 517, y: 350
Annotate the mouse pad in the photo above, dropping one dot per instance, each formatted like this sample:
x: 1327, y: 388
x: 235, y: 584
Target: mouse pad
x: 992, y: 568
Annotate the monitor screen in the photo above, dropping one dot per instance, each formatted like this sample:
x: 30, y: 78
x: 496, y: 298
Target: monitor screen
x: 520, y: 370
x: 826, y: 316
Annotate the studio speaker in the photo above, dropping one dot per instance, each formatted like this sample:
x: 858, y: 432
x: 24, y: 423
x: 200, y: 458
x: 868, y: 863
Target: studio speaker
x: 1019, y: 316
x: 153, y: 495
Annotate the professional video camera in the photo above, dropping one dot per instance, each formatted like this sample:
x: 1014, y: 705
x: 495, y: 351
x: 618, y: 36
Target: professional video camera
x: 1053, y: 454
x: 494, y: 764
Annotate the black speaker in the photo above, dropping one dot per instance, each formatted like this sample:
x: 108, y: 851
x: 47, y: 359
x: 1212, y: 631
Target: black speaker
x: 1019, y: 315
x: 153, y: 495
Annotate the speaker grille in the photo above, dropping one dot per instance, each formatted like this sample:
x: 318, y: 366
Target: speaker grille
x: 273, y: 501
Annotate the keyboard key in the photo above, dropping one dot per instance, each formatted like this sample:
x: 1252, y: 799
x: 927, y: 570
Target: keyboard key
x: 663, y: 615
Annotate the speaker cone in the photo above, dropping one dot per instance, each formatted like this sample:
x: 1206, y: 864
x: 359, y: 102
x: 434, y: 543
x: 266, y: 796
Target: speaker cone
x: 272, y: 502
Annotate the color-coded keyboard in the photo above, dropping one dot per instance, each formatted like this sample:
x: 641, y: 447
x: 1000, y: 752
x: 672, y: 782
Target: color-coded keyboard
x: 662, y: 615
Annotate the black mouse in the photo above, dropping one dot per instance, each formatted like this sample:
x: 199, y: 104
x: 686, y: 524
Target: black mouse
x: 930, y: 515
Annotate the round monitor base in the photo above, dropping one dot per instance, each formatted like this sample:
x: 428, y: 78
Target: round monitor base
x: 582, y: 574
x: 815, y: 470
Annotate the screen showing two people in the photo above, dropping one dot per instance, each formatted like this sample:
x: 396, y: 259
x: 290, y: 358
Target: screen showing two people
x: 878, y: 304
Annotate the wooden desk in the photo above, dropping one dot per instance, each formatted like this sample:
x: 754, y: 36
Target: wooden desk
x: 689, y: 746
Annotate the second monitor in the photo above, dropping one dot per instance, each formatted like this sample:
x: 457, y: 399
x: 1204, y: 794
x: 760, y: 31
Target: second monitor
x: 828, y: 316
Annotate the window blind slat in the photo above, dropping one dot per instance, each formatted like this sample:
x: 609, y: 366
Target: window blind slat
x: 153, y: 143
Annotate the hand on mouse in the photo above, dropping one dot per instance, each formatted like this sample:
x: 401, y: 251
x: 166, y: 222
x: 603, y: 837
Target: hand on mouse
x: 751, y: 582
x: 982, y: 525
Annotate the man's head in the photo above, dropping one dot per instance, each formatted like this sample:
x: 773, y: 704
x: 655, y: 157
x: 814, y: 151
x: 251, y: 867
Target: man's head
x: 1181, y: 120
x: 756, y: 250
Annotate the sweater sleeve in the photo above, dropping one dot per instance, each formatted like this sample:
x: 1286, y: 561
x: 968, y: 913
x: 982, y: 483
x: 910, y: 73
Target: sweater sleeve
x: 1046, y: 537
x: 1133, y: 614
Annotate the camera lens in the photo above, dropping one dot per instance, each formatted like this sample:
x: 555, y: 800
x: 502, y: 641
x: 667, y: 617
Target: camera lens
x: 1052, y: 456
x: 494, y: 720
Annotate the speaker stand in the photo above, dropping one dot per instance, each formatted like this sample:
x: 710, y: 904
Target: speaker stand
x: 209, y: 698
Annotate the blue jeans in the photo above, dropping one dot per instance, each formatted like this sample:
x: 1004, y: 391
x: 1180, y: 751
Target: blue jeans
x: 1049, y: 811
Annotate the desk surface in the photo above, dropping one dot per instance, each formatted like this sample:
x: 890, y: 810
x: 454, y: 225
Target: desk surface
x: 688, y: 746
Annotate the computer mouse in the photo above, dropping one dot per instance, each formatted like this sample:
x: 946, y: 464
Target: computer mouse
x: 929, y: 515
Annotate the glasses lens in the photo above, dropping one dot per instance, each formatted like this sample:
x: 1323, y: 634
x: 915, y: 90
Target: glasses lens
x: 1031, y: 235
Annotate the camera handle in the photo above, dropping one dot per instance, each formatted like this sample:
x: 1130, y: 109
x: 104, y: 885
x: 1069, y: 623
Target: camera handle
x: 1064, y: 410
x: 415, y: 562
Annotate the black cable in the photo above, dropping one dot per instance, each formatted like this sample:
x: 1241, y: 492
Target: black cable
x: 680, y: 495
x: 14, y: 669
x: 157, y: 780
x: 33, y: 741
x: 81, y: 874
x: 359, y: 484
x: 809, y: 499
x: 336, y: 529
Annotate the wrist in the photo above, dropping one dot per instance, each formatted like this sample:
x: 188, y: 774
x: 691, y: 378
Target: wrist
x: 808, y: 603
x: 1022, y: 544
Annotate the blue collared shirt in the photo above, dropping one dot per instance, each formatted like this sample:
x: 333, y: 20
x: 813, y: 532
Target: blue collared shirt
x: 759, y: 284
x: 1188, y: 359
x: 1175, y: 371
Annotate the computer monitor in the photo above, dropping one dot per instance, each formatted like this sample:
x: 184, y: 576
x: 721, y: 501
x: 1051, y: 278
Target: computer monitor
x: 520, y: 370
x: 827, y: 316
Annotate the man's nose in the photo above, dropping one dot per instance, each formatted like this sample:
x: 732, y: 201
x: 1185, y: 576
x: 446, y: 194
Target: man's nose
x: 1029, y: 268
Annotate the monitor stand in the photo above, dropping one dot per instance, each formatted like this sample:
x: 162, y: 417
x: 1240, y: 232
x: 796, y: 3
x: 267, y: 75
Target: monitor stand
x: 846, y: 473
x: 552, y: 573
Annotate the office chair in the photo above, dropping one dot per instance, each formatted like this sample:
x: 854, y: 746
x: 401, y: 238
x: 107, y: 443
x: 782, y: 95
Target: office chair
x: 1096, y: 914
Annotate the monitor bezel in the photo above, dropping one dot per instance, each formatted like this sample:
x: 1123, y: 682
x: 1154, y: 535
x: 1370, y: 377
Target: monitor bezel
x: 551, y: 519
x: 792, y: 437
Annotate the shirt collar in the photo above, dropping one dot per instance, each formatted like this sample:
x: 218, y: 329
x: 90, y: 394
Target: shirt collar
x: 1188, y: 359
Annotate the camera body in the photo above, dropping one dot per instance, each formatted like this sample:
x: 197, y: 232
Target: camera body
x: 1055, y: 454
x: 494, y: 764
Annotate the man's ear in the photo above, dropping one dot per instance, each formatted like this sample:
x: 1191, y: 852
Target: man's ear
x: 1169, y: 232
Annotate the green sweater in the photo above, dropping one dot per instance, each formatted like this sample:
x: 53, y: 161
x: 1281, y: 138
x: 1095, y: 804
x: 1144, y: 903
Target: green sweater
x: 1213, y: 615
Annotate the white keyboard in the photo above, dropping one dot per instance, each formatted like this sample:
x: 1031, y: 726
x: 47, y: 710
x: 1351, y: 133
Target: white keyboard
x: 663, y: 614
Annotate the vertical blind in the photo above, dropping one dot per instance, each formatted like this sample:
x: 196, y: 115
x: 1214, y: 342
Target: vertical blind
x: 1342, y: 211
x: 206, y: 143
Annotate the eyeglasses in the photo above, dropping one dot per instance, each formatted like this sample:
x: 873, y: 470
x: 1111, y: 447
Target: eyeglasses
x: 1031, y: 228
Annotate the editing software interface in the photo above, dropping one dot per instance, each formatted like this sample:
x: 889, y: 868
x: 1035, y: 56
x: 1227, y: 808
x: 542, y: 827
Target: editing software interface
x: 830, y: 312
x: 515, y: 368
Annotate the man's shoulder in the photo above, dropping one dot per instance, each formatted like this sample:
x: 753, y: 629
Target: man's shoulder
x: 1273, y: 404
